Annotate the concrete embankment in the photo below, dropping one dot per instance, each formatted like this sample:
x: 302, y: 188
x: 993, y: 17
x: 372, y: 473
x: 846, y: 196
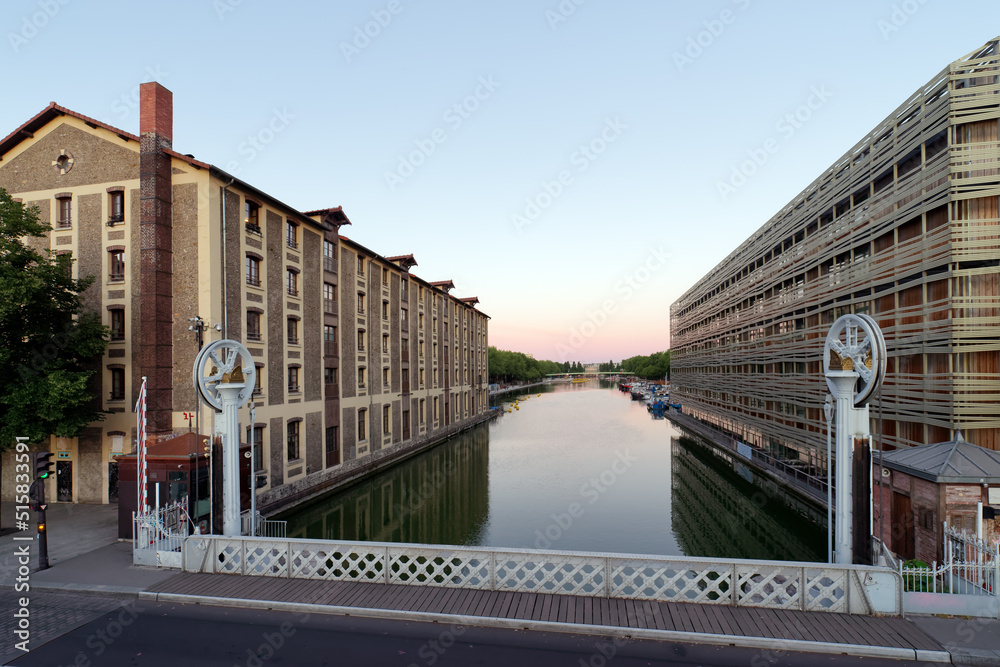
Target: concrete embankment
x: 287, y: 496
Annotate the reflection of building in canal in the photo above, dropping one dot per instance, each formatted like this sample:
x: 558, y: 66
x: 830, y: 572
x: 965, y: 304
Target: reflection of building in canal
x: 721, y: 508
x: 438, y: 497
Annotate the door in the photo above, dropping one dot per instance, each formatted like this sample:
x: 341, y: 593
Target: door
x: 113, y: 482
x: 64, y: 481
x: 902, y: 526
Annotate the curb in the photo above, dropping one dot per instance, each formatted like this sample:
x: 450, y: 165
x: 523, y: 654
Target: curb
x: 973, y: 657
x: 95, y: 590
x: 798, y: 645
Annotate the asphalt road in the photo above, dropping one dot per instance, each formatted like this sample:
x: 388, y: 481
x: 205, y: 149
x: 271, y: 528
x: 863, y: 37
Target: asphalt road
x: 153, y: 634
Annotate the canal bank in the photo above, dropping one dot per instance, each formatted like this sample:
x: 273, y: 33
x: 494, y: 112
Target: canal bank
x: 788, y: 480
x: 290, y: 496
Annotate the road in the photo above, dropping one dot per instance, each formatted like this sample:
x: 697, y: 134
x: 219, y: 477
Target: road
x: 152, y: 634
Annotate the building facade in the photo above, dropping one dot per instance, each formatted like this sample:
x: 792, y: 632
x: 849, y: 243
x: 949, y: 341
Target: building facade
x: 354, y: 353
x: 903, y: 227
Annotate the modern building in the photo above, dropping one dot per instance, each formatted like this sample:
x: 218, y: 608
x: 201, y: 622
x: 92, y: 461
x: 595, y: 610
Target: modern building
x: 905, y: 226
x: 356, y: 356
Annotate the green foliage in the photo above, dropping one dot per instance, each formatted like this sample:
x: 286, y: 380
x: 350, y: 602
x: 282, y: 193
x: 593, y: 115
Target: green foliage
x: 654, y: 367
x: 506, y: 366
x: 49, y: 347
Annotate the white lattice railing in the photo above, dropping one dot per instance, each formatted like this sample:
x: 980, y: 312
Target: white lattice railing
x: 771, y: 584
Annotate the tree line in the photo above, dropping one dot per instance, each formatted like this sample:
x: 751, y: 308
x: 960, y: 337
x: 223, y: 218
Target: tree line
x: 507, y: 366
x: 654, y: 367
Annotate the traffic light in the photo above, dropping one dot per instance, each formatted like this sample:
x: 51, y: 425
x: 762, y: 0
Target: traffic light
x: 35, y: 496
x: 43, y: 464
x: 261, y: 481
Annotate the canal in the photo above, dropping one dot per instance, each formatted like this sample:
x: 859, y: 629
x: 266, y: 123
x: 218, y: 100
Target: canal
x: 573, y: 467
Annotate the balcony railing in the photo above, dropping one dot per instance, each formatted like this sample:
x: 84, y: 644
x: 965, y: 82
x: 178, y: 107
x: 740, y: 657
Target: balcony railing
x: 254, y: 229
x: 253, y: 280
x: 292, y: 243
x: 361, y: 309
x: 293, y: 340
x: 117, y: 334
x: 117, y: 395
x: 64, y: 224
x: 293, y: 389
x: 292, y: 291
x: 116, y: 220
x: 253, y: 336
x: 330, y: 264
x: 116, y: 278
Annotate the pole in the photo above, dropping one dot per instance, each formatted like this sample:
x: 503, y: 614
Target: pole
x: 43, y: 535
x: 828, y: 413
x: 253, y: 471
x: 229, y: 392
x: 843, y: 385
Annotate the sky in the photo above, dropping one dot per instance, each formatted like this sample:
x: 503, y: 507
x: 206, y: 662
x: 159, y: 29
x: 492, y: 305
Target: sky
x: 568, y: 162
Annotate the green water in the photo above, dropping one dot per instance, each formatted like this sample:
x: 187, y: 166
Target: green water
x: 579, y: 467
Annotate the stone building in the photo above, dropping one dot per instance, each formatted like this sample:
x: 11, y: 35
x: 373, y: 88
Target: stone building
x: 357, y: 357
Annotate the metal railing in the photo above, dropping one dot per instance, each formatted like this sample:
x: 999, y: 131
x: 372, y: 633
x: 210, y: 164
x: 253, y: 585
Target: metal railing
x: 971, y: 567
x: 265, y: 527
x: 772, y: 584
x: 157, y: 537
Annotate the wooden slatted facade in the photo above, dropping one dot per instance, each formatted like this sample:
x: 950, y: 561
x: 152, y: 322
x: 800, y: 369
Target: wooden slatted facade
x: 904, y: 227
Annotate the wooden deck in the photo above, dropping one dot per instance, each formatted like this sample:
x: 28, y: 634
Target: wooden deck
x: 541, y: 607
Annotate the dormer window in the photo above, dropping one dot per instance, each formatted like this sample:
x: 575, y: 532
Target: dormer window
x: 251, y: 216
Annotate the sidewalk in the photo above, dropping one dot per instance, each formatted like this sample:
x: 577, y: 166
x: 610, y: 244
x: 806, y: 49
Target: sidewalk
x: 87, y: 561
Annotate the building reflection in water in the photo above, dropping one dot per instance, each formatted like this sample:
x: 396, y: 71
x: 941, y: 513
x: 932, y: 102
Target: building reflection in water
x: 438, y: 497
x: 721, y: 508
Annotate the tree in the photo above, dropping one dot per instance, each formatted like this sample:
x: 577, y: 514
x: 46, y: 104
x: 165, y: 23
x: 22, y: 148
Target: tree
x: 654, y: 367
x: 49, y: 348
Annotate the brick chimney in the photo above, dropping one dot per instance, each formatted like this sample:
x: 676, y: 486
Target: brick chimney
x: 155, y: 356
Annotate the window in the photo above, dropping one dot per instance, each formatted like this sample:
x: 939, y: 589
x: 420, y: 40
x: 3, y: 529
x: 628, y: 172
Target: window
x: 64, y: 212
x: 435, y: 378
x: 253, y: 325
x: 362, y: 425
x: 116, y: 207
x: 385, y: 343
x: 293, y: 440
x: 258, y: 386
x: 253, y: 270
x: 386, y: 417
x: 117, y: 384
x: 329, y: 256
x: 423, y: 411
x: 361, y: 266
x: 404, y: 289
x: 435, y: 407
x: 255, y: 436
x: 330, y: 375
x: 385, y: 277
x: 293, y: 379
x: 330, y: 333
x: 385, y: 377
x: 421, y: 346
x: 251, y: 217
x: 421, y: 320
x: 402, y: 317
x: 116, y: 264
x: 385, y: 310
x: 361, y: 340
x: 361, y: 378
x: 421, y: 378
x: 118, y: 323
x: 293, y: 331
x: 329, y: 298
x: 292, y: 234
x: 332, y: 446
x: 293, y: 282
x: 361, y: 303
x: 406, y: 377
